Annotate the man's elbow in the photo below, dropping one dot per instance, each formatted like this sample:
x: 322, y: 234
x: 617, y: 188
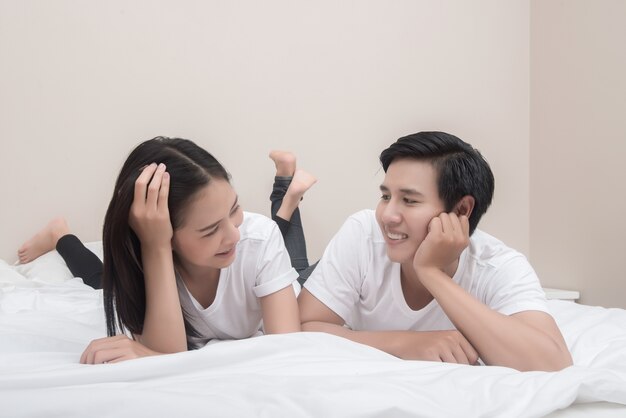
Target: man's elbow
x: 553, y: 360
x: 311, y: 326
x: 559, y: 360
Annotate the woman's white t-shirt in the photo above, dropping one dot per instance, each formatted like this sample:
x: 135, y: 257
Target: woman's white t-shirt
x: 261, y: 267
x: 357, y: 281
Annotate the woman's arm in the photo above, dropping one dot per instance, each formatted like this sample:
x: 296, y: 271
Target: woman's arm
x: 280, y: 312
x: 163, y: 329
x: 114, y: 349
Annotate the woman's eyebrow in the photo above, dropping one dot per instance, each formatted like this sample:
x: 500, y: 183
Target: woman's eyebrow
x: 213, y: 225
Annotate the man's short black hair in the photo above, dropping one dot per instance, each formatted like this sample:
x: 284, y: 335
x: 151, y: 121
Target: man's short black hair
x: 461, y: 169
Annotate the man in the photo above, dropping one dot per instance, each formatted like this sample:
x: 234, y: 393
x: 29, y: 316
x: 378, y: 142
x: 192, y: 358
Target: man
x: 417, y: 280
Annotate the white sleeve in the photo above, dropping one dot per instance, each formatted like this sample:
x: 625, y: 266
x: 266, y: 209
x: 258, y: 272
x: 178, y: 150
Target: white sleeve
x: 337, y: 279
x: 274, y: 271
x: 515, y: 287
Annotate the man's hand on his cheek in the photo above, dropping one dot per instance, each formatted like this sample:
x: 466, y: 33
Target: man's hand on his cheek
x: 448, y: 236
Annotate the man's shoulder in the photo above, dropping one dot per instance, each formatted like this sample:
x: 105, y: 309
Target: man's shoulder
x: 365, y: 221
x: 488, y: 249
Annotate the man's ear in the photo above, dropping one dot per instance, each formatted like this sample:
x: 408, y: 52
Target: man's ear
x: 465, y: 206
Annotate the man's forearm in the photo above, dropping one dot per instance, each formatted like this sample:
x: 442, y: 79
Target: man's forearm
x: 499, y: 339
x: 407, y: 345
x: 387, y: 341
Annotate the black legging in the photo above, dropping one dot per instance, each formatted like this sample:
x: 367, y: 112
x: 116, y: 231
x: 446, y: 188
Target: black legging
x: 292, y: 230
x: 81, y: 262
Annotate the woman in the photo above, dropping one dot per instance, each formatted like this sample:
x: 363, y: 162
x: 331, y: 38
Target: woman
x: 183, y: 263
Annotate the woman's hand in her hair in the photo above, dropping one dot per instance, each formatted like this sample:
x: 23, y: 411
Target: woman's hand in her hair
x: 149, y: 215
x: 113, y: 350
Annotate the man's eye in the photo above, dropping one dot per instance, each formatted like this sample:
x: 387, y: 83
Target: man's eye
x: 409, y: 201
x: 385, y: 197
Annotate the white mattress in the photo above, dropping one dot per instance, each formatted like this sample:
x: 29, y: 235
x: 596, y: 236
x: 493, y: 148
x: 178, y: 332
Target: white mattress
x: 47, y: 318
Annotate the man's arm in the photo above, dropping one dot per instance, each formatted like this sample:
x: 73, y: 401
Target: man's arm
x: 448, y: 346
x: 528, y: 340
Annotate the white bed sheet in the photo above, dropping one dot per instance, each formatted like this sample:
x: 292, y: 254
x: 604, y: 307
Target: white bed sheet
x: 47, y: 318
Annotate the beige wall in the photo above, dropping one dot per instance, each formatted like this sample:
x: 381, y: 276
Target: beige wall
x: 82, y: 82
x: 578, y: 147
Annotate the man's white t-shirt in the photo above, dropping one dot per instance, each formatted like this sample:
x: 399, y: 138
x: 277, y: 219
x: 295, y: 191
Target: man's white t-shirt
x: 261, y: 267
x: 357, y: 281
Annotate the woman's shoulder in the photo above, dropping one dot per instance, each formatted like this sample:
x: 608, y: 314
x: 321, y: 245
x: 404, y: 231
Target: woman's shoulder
x: 257, y: 226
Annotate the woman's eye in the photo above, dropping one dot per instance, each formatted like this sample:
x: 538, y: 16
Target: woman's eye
x: 211, y: 233
x: 385, y: 197
x: 235, y: 210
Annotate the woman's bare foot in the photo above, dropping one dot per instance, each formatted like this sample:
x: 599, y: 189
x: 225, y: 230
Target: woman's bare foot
x: 285, y: 163
x: 43, y: 241
x: 300, y: 183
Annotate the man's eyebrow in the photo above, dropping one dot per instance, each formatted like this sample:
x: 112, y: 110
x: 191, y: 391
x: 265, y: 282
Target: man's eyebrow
x: 384, y: 188
x: 213, y: 225
x: 411, y: 191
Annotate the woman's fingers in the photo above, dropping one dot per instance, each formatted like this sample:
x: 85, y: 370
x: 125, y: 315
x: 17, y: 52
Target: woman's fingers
x: 111, y: 355
x: 154, y: 187
x: 103, y: 349
x: 164, y: 192
x: 141, y: 184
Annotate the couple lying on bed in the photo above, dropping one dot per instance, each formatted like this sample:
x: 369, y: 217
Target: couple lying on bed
x: 183, y: 264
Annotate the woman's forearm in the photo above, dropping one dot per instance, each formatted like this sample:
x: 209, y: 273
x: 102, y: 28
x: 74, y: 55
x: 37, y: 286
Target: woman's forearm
x: 164, y: 329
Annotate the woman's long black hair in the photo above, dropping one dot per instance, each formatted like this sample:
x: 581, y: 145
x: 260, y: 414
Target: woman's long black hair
x: 191, y: 168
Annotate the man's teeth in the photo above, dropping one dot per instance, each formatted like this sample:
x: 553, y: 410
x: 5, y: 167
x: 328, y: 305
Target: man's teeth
x: 395, y: 236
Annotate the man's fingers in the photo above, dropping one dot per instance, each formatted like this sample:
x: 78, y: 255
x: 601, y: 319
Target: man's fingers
x: 470, y: 351
x: 465, y: 226
x: 434, y: 225
x: 455, y: 223
x: 446, y: 356
x: 446, y: 223
x: 459, y: 355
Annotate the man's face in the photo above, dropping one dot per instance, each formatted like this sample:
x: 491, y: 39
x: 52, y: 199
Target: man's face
x: 409, y: 201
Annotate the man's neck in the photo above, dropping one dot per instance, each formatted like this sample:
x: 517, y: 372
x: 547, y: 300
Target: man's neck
x: 415, y: 293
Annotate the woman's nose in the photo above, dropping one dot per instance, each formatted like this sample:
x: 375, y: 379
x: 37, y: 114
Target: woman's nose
x: 232, y: 235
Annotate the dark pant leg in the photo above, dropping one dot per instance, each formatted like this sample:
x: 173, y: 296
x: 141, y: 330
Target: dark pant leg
x: 292, y: 230
x: 81, y: 262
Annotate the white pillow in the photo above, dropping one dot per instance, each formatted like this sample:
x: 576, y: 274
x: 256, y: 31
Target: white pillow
x: 51, y: 267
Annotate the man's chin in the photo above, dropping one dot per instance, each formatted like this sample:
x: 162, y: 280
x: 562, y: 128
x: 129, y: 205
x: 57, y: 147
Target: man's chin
x: 397, y: 257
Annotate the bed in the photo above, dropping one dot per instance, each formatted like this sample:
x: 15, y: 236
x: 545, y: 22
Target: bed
x: 47, y: 317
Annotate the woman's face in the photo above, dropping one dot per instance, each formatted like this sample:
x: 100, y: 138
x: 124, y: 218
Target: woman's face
x: 210, y: 231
